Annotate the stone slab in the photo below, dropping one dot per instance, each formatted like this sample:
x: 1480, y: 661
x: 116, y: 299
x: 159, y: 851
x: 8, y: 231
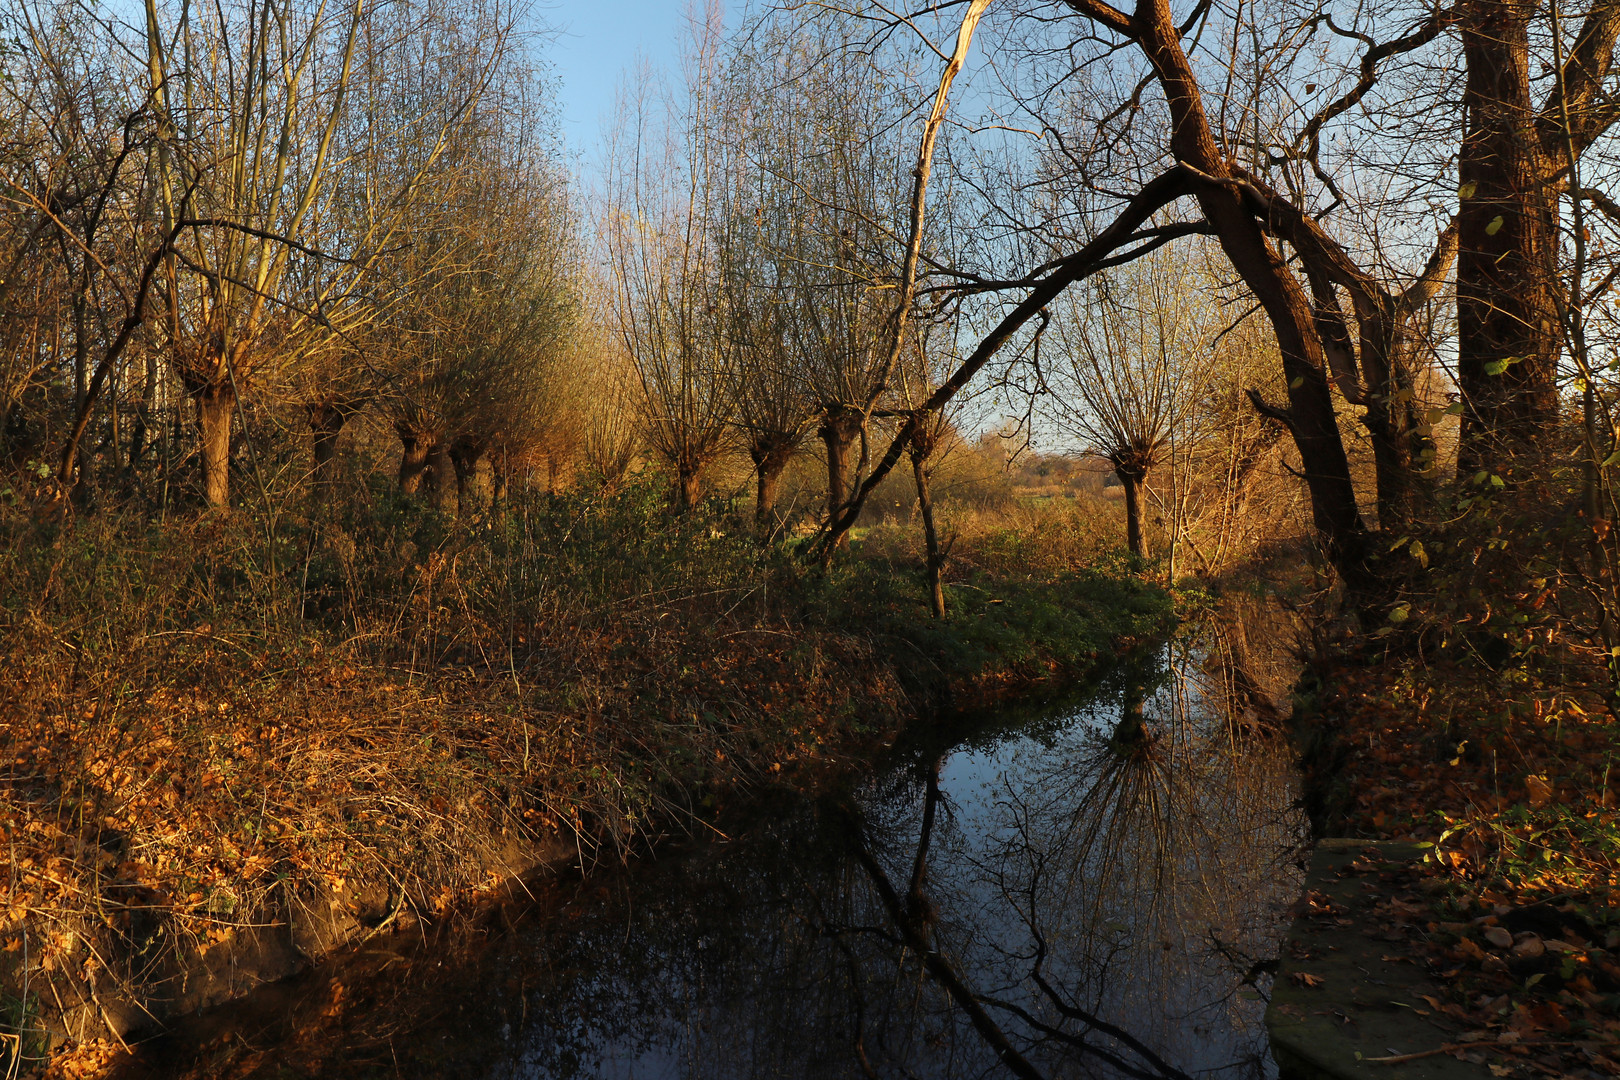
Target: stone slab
x: 1342, y: 996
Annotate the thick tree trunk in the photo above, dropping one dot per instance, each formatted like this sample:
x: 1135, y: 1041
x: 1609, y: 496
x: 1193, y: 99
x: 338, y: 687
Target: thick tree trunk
x: 839, y: 427
x: 216, y: 407
x: 934, y: 558
x: 325, y: 425
x: 770, y: 454
x: 769, y: 479
x: 1131, y: 731
x: 688, y: 486
x: 413, y: 458
x: 1507, y: 328
x: 471, y: 492
x: 1131, y: 480
x: 1310, y: 414
x: 441, y: 478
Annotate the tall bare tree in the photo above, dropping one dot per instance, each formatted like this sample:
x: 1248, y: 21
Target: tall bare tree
x: 664, y: 172
x: 1136, y: 342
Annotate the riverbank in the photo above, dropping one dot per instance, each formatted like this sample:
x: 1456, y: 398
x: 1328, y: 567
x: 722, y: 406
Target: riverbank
x: 231, y: 750
x: 741, y: 948
x: 1503, y: 773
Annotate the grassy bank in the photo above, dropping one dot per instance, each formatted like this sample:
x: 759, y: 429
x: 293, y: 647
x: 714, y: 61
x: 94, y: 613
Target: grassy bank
x: 210, y: 725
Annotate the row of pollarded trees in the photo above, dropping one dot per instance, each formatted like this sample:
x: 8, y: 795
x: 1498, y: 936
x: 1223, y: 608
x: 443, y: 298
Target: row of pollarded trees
x: 313, y: 208
x: 753, y: 232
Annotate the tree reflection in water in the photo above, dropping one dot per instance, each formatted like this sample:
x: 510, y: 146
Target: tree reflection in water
x: 1087, y: 895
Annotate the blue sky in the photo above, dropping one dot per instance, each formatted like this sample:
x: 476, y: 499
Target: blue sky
x: 597, y: 43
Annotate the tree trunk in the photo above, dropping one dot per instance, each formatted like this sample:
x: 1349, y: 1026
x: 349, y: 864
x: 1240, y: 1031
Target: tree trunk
x: 143, y: 416
x: 1131, y: 480
x: 688, y: 486
x: 115, y: 427
x: 769, y: 480
x: 471, y: 492
x: 1310, y: 415
x: 498, y: 466
x: 1402, y: 455
x: 839, y: 426
x: 1131, y: 731
x: 1507, y: 328
x: 441, y: 478
x: 934, y: 562
x: 216, y: 406
x: 413, y: 459
x: 325, y: 425
x: 770, y: 453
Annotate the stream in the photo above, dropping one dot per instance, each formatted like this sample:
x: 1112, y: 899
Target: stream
x: 1086, y: 887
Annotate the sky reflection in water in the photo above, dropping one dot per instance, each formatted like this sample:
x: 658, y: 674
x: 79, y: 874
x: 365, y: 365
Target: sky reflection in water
x: 1122, y: 862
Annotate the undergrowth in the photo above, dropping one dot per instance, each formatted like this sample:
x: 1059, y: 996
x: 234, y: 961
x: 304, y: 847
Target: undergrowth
x: 1475, y: 716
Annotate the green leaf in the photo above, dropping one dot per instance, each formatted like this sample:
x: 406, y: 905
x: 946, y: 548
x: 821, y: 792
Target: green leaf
x: 1495, y: 226
x: 1496, y: 367
x: 1479, y: 478
x: 1610, y: 460
x: 1417, y: 552
x: 1397, y: 544
x: 1401, y: 613
x: 1297, y: 382
x: 1454, y: 409
x: 1467, y: 190
x: 1497, y: 481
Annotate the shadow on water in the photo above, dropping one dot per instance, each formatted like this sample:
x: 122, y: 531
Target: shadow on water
x: 1092, y: 890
